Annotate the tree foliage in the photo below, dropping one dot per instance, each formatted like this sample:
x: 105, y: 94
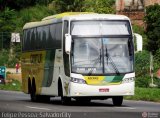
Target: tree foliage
x: 67, y: 5
x: 7, y: 25
x: 140, y: 30
x: 142, y: 69
x: 19, y: 4
x: 98, y: 6
x: 142, y: 62
x: 6, y: 20
x: 152, y: 20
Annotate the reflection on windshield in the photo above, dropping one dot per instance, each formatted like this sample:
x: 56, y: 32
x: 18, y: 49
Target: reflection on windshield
x: 100, y: 28
x: 117, y: 58
x: 86, y: 55
x: 102, y: 55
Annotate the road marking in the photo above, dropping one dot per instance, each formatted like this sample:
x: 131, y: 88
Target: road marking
x: 37, y: 108
x: 126, y: 107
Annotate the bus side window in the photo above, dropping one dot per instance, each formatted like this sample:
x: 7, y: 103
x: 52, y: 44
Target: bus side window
x: 45, y: 36
x: 58, y: 35
x: 58, y: 31
x: 52, y: 38
x: 32, y: 40
x: 27, y: 41
x: 37, y: 39
x: 40, y: 31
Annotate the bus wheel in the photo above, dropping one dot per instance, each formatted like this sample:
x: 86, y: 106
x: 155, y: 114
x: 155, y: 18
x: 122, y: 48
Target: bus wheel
x: 117, y: 100
x: 45, y: 98
x: 33, y: 91
x: 64, y: 100
x: 42, y: 98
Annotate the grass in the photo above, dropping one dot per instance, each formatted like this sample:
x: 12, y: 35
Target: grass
x: 15, y: 85
x: 146, y: 94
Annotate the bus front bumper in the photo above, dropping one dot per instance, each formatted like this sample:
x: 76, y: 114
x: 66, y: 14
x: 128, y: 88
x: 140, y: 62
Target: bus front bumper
x: 81, y: 90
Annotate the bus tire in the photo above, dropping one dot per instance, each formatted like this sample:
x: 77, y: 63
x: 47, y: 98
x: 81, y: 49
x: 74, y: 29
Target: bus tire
x: 45, y: 98
x: 37, y: 98
x: 117, y: 100
x: 29, y: 86
x: 42, y: 98
x: 33, y: 91
x: 64, y: 100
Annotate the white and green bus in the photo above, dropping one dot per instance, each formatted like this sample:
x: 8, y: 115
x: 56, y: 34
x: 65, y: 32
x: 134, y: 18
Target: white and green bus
x: 83, y: 56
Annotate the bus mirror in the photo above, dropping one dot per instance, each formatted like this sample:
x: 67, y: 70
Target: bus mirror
x: 67, y: 43
x: 139, y: 42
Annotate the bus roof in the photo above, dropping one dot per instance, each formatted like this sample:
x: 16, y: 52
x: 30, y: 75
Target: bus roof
x: 74, y: 16
x: 65, y: 14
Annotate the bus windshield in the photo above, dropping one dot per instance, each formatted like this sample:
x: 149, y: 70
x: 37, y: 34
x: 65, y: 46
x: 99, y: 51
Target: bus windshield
x: 101, y: 47
x: 102, y: 55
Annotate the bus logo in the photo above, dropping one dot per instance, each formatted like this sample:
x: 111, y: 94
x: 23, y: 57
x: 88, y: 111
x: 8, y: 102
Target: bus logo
x: 93, y: 78
x: 36, y: 58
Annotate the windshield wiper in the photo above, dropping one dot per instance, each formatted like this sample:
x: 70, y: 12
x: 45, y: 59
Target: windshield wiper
x: 98, y: 60
x: 112, y: 63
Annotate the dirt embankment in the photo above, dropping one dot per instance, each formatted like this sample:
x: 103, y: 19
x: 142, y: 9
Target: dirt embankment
x: 11, y: 74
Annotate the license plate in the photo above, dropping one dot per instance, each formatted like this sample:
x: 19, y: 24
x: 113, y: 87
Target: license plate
x: 104, y: 90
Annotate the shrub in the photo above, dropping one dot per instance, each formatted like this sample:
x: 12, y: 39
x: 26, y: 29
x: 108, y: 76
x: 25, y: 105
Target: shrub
x: 3, y: 57
x: 142, y: 64
x: 142, y: 82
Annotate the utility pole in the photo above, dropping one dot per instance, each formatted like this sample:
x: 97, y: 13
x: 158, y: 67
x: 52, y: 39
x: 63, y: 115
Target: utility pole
x: 151, y: 68
x: 151, y: 71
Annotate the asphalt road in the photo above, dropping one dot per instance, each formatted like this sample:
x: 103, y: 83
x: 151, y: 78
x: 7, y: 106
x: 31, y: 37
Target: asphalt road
x: 18, y: 102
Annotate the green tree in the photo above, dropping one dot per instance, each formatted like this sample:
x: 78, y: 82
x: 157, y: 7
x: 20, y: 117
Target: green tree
x: 142, y: 62
x: 6, y: 26
x: 140, y: 30
x: 152, y: 20
x: 16, y: 4
x: 67, y: 5
x: 99, y: 6
x: 19, y: 4
x: 4, y: 57
x: 6, y: 18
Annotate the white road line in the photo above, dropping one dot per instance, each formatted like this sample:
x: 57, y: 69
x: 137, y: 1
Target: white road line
x: 37, y: 108
x: 125, y: 108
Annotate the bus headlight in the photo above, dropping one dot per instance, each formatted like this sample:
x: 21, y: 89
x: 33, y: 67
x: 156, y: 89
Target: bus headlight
x: 128, y: 80
x: 76, y: 80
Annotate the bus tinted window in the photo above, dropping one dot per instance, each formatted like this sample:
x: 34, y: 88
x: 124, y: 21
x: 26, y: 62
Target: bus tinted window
x: 45, y: 36
x: 32, y: 39
x: 58, y: 31
x: 52, y: 36
x: 40, y: 37
x: 27, y: 41
x: 65, y: 29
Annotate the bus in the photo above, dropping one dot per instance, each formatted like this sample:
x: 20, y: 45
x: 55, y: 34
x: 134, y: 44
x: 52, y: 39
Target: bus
x: 79, y: 56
